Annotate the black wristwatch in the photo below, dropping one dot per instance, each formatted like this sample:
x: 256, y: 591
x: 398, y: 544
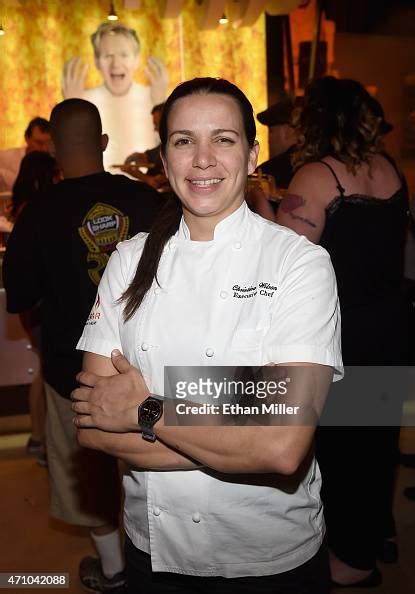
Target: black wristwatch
x: 149, y: 412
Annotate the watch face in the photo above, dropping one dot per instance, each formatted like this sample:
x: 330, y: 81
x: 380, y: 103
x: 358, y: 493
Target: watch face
x: 150, y: 411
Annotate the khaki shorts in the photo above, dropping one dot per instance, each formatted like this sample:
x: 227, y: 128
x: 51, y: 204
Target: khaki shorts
x: 84, y: 484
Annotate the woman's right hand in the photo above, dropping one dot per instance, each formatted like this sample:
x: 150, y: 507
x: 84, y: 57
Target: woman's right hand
x: 106, y: 401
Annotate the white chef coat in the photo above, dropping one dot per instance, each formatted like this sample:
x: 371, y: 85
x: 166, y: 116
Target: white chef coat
x: 200, y: 522
x: 126, y: 119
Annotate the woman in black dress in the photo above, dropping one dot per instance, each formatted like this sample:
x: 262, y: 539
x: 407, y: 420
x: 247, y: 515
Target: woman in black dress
x: 348, y: 196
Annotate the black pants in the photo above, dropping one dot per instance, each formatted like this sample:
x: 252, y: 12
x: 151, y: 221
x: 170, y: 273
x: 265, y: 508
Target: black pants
x: 357, y: 466
x: 310, y: 578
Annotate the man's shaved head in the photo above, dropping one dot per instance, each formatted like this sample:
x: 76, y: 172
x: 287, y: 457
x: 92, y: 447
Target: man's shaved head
x: 76, y: 122
x: 76, y: 131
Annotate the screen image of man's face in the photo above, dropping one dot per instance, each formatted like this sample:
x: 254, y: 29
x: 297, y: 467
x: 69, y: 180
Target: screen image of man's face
x: 117, y: 62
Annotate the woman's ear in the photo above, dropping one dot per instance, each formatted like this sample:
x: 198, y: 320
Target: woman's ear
x: 164, y: 161
x: 253, y: 157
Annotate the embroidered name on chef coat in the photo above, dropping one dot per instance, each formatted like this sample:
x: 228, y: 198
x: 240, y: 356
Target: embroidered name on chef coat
x: 249, y: 291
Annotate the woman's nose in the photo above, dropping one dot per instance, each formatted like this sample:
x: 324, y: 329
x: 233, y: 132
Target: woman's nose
x: 204, y: 156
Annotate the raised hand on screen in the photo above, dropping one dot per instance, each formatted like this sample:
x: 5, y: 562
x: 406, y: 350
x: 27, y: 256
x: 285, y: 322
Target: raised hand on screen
x: 73, y: 78
x: 158, y: 77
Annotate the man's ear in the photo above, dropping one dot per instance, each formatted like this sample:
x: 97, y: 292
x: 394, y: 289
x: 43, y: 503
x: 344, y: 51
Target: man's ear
x: 253, y: 157
x: 104, y: 141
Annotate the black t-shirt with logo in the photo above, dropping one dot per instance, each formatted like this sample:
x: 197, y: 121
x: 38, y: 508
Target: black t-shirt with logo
x: 56, y: 255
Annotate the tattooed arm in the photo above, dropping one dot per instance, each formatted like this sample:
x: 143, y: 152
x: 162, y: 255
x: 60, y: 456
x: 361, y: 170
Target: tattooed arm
x: 303, y: 207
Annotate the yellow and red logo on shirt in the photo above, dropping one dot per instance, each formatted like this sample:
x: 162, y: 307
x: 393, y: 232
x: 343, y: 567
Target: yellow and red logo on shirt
x: 102, y: 228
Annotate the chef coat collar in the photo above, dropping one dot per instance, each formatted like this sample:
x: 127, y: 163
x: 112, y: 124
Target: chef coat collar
x: 231, y: 227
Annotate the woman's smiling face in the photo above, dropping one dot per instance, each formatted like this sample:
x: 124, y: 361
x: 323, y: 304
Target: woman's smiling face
x: 207, y: 157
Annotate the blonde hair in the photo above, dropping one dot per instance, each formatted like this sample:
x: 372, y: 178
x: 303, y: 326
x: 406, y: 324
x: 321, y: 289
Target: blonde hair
x: 113, y: 29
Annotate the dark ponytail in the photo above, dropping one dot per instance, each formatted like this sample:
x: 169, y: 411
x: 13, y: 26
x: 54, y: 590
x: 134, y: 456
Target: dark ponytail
x: 165, y: 226
x: 168, y: 220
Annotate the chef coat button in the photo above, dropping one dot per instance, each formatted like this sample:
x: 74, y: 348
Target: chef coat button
x: 144, y: 346
x: 157, y: 291
x: 196, y: 518
x: 237, y: 245
x: 223, y: 294
x: 209, y: 352
x: 156, y: 511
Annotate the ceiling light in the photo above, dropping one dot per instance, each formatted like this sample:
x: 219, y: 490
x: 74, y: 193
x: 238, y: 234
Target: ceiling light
x: 112, y: 15
x: 2, y: 32
x: 223, y: 20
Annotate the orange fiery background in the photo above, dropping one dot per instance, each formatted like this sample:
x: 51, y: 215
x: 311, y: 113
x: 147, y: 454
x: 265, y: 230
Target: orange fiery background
x: 41, y: 35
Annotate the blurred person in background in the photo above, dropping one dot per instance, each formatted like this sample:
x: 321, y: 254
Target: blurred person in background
x: 282, y: 139
x: 349, y: 196
x: 38, y: 172
x: 151, y: 160
x: 37, y: 137
x: 56, y: 254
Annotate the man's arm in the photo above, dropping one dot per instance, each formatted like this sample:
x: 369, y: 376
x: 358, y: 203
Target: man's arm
x: 128, y: 446
x: 22, y: 265
x: 258, y: 200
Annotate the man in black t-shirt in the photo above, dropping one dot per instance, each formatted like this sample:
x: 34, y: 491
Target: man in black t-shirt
x: 55, y: 256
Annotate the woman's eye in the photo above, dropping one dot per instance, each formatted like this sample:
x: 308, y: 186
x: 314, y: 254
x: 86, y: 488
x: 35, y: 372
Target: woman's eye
x: 182, y: 142
x: 225, y: 140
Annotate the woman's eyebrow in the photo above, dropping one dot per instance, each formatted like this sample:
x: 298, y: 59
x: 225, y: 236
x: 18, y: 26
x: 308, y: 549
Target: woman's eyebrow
x: 185, y: 132
x: 225, y: 130
x: 214, y: 132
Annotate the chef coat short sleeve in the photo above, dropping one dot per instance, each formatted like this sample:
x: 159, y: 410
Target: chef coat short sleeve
x: 305, y: 319
x: 101, y: 334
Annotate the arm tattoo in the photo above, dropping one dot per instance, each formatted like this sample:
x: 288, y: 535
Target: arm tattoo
x: 303, y: 220
x: 291, y: 202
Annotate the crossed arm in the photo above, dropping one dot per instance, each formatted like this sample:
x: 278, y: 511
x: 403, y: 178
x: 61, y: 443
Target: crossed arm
x: 111, y: 397
x: 107, y: 420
